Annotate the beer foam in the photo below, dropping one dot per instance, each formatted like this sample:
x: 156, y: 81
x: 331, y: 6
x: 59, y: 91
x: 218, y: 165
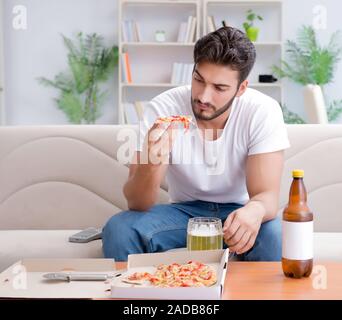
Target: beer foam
x: 204, y: 231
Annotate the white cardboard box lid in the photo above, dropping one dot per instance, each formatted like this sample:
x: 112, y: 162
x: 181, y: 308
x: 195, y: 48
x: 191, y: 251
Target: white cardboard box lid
x: 24, y: 279
x: 219, y: 257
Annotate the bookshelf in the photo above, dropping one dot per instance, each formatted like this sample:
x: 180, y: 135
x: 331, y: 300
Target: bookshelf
x: 269, y: 46
x: 152, y: 63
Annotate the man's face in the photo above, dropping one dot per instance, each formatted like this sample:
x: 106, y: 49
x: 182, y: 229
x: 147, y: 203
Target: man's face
x: 213, y: 90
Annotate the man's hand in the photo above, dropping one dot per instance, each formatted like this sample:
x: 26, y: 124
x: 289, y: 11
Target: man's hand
x: 241, y: 228
x: 158, y: 143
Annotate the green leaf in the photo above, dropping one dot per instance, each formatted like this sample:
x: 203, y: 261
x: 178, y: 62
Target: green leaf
x: 246, y: 26
x: 307, y: 39
x: 334, y: 110
x: 307, y: 61
x: 81, y: 73
x: 291, y: 117
x: 62, y: 82
x: 251, y: 17
x: 71, y: 47
x: 72, y: 107
x: 90, y: 63
x: 108, y: 60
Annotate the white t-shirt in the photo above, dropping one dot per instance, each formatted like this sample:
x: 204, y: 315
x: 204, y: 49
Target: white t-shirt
x: 214, y: 170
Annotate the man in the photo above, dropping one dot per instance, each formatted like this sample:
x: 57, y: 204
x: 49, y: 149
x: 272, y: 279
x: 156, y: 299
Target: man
x: 240, y: 185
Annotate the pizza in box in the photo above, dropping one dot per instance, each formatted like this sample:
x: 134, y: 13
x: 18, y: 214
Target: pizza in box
x: 190, y: 274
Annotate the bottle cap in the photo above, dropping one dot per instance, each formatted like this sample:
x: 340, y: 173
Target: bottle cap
x: 298, y: 173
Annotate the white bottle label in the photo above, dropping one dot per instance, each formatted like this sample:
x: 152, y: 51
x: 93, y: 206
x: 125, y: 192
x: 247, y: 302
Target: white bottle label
x: 297, y: 240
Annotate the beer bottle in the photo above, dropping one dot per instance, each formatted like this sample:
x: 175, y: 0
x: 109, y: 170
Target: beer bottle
x: 297, y: 251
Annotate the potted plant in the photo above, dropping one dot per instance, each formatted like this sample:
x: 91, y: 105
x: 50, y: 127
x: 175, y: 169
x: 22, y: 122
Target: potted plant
x: 90, y: 64
x: 252, y: 31
x: 312, y: 66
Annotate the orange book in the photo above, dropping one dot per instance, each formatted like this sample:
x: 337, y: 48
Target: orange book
x: 128, y: 68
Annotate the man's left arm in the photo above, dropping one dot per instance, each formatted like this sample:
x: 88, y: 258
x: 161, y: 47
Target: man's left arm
x: 263, y: 172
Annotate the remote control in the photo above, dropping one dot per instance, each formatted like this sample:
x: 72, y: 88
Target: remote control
x: 86, y: 235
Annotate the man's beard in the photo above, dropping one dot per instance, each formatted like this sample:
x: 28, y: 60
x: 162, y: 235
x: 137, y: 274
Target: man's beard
x: 216, y: 114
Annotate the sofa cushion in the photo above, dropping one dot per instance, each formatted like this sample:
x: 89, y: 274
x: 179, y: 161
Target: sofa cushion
x: 62, y: 177
x: 328, y: 246
x: 22, y: 244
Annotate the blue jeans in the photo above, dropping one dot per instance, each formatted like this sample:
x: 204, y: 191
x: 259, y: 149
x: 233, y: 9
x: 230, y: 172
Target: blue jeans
x: 163, y: 227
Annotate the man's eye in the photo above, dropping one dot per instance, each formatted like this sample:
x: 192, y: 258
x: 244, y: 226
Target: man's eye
x: 219, y: 89
x: 199, y: 80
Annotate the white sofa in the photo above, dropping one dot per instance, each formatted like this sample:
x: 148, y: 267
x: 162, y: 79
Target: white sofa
x: 56, y: 180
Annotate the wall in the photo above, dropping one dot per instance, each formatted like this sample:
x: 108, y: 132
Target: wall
x: 39, y: 51
x: 297, y: 13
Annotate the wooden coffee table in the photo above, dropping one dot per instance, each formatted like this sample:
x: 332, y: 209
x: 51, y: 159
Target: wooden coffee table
x: 265, y: 281
x: 244, y: 281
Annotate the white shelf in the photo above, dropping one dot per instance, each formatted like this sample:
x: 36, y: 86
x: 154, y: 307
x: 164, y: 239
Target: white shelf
x: 265, y: 85
x: 159, y: 44
x: 184, y: 44
x: 159, y: 2
x: 268, y: 44
x: 243, y: 2
x: 170, y: 85
x: 148, y: 85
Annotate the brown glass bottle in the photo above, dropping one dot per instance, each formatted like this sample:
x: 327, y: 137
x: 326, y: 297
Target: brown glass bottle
x: 297, y: 257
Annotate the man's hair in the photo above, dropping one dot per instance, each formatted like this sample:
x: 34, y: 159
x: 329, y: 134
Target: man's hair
x: 229, y: 47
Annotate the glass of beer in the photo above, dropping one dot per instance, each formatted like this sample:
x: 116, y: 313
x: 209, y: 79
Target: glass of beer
x: 204, y: 233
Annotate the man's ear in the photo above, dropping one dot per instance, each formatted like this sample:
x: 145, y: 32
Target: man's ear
x: 243, y: 87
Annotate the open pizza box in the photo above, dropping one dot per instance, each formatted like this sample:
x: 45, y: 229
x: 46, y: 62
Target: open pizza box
x: 216, y: 259
x: 24, y: 279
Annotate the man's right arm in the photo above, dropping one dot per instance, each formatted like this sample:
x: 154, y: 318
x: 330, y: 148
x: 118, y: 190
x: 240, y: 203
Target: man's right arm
x: 142, y: 187
x: 145, y: 177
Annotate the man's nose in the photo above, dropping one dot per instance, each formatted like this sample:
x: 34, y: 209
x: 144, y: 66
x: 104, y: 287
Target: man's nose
x: 205, y: 95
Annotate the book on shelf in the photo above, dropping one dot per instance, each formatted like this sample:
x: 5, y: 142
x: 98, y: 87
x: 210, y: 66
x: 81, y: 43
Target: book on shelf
x: 130, y: 31
x: 192, y: 30
x: 188, y: 27
x: 126, y: 68
x: 211, y: 24
x: 136, y: 111
x: 182, y: 32
x: 137, y: 31
x: 187, y: 30
x: 181, y: 73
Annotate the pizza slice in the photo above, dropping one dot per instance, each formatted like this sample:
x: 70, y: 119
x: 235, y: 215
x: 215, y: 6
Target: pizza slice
x: 185, y: 120
x: 139, y: 278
